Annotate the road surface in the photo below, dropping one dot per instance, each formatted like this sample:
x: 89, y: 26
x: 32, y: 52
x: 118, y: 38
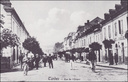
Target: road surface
x: 62, y: 72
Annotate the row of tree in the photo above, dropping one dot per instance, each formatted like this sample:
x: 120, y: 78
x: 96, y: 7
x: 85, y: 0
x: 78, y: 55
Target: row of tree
x: 8, y: 38
x: 95, y: 46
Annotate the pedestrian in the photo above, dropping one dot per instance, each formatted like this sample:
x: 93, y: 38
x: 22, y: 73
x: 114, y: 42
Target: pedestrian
x: 72, y: 62
x: 92, y: 59
x: 31, y: 62
x: 45, y: 60
x: 50, y: 61
x: 25, y: 65
x: 116, y: 58
x: 21, y: 60
x: 31, y: 58
x: 87, y: 58
x: 37, y: 59
x: 110, y: 58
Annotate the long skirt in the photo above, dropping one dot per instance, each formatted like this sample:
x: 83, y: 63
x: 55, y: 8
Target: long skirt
x: 25, y: 68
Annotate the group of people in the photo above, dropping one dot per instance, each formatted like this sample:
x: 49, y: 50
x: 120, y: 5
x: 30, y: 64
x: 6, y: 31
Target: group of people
x: 28, y: 63
x: 48, y: 59
x: 91, y: 56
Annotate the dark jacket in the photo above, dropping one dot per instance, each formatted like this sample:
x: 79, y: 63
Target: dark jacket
x: 21, y: 57
x: 37, y: 59
x: 50, y: 59
x: 45, y: 59
x: 92, y: 56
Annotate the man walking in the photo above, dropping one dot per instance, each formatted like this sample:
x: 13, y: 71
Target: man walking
x: 45, y: 60
x: 37, y: 59
x: 21, y: 59
x: 50, y: 61
x: 116, y: 58
x: 92, y: 58
x: 72, y: 58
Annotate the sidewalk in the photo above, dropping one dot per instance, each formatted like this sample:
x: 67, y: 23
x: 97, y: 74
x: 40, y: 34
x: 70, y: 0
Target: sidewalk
x: 101, y: 64
x: 119, y: 66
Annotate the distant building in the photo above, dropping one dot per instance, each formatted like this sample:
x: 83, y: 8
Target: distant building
x: 69, y: 41
x: 48, y: 49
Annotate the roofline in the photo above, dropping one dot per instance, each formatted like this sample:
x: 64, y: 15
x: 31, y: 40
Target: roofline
x: 122, y: 10
x: 12, y: 10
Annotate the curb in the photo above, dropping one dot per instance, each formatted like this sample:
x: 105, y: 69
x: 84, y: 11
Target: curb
x: 112, y: 67
x: 107, y: 66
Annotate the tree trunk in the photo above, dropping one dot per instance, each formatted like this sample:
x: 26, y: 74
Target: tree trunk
x: 106, y: 55
x: 110, y: 57
x: 99, y: 54
x: 80, y: 56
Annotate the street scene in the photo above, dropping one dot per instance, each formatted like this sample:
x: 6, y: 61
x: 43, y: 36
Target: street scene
x: 62, y: 72
x: 64, y: 40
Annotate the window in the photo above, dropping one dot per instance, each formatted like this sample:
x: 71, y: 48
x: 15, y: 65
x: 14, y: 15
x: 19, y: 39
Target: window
x: 119, y: 26
x: 17, y: 30
x: 90, y: 39
x: 84, y: 42
x: 109, y: 31
x: 104, y: 33
x: 81, y: 42
x: 13, y: 24
x: 96, y: 37
x: 115, y: 29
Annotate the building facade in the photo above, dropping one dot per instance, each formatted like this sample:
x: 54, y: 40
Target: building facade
x: 112, y: 28
x: 87, y: 34
x: 69, y: 41
x: 13, y: 22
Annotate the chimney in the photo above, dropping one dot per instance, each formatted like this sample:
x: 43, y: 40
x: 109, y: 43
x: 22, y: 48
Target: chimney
x: 87, y: 21
x: 106, y: 16
x: 124, y: 2
x: 117, y: 7
x: 6, y: 3
x: 111, y: 11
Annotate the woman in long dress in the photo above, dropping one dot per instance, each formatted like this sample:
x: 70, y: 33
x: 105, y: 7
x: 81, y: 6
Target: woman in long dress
x: 25, y: 65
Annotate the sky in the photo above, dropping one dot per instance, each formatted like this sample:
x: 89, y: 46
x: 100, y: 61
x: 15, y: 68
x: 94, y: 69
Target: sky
x: 51, y: 21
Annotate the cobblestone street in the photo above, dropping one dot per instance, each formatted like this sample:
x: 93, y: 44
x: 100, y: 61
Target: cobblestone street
x: 63, y: 72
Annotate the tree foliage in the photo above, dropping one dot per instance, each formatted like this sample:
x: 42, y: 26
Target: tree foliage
x: 31, y: 44
x: 95, y: 46
x: 108, y: 43
x: 80, y: 50
x: 86, y: 50
x: 73, y: 50
x: 8, y: 39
